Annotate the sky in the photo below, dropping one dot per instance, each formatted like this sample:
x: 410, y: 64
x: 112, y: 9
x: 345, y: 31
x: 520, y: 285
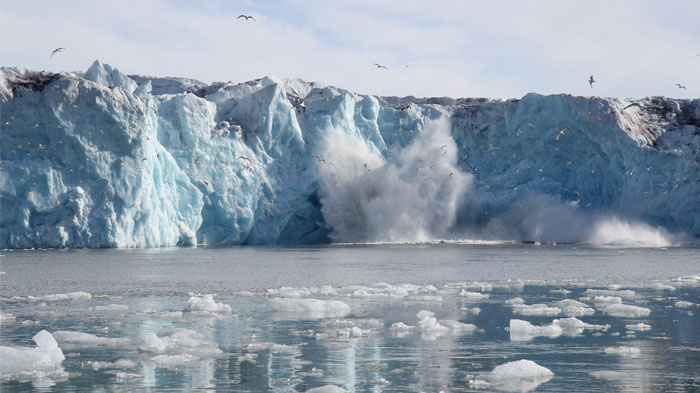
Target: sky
x: 495, y: 48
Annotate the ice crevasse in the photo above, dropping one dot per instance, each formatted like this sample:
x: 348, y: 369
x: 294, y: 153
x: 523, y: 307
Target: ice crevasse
x: 102, y: 159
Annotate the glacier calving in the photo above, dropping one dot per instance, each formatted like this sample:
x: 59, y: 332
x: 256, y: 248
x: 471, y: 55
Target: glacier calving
x: 102, y: 159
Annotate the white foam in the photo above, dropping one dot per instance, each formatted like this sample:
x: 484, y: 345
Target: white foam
x: 206, y: 304
x: 625, y: 351
x: 310, y: 308
x: 80, y: 339
x: 624, y: 310
x: 519, y: 376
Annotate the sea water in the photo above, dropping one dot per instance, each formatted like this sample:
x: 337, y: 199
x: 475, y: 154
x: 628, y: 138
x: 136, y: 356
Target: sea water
x: 390, y: 318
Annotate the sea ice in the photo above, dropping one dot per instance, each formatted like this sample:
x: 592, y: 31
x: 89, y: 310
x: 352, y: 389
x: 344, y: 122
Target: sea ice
x: 519, y: 376
x: 80, y: 339
x: 58, y: 297
x: 624, y: 310
x: 524, y: 331
x: 179, y: 341
x: 20, y: 362
x: 625, y: 294
x: 473, y: 296
x: 683, y: 304
x: 206, y: 304
x: 536, y: 309
x: 573, y: 308
x: 309, y: 308
x: 327, y: 389
x: 112, y: 307
x: 638, y: 327
x: 625, y: 351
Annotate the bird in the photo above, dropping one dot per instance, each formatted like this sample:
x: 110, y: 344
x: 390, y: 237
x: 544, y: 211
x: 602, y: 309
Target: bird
x: 680, y: 86
x: 591, y: 81
x: 246, y: 17
x: 561, y: 132
x: 319, y: 159
x: 56, y: 51
x: 380, y: 66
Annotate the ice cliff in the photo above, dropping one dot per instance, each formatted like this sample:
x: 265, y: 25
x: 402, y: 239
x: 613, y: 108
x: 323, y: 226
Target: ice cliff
x: 102, y: 159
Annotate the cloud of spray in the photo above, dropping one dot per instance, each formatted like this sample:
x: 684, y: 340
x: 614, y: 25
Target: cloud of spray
x: 419, y: 194
x: 413, y: 197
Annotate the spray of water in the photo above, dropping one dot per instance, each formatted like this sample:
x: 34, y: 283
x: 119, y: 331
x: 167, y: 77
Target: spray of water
x: 419, y: 194
x: 411, y: 198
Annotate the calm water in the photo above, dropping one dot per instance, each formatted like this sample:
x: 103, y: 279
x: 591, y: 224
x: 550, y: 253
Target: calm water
x: 274, y: 339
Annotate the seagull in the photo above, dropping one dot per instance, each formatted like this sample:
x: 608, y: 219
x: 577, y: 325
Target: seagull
x: 380, y: 66
x: 591, y: 81
x: 246, y: 17
x: 320, y: 159
x: 56, y: 51
x: 680, y: 86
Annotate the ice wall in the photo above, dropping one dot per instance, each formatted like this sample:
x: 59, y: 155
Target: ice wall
x: 101, y: 159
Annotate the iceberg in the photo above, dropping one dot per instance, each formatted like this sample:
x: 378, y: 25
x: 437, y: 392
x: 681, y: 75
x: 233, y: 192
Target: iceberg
x: 104, y: 159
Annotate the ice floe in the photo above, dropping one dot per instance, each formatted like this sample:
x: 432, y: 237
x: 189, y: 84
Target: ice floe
x: 683, y: 304
x: 573, y: 308
x: 625, y: 351
x: 80, y: 339
x: 625, y: 310
x: 536, y: 309
x: 206, y: 305
x: 181, y: 345
x: 112, y: 307
x: 56, y: 297
x: 327, y: 389
x: 518, y: 376
x: 638, y: 327
x: 43, y: 361
x: 308, y: 308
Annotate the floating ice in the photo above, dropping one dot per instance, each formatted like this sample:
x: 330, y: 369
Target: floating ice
x: 625, y: 294
x: 121, y: 363
x: 524, y: 331
x: 31, y: 363
x: 57, y: 297
x: 683, y: 304
x: 602, y: 302
x: 624, y: 310
x: 327, y: 389
x: 519, y: 376
x: 6, y: 318
x: 625, y: 351
x: 536, y: 309
x: 662, y: 287
x: 309, y: 308
x: 473, y: 296
x: 80, y: 339
x: 112, y: 307
x: 179, y: 341
x: 638, y: 327
x: 206, y: 304
x: 573, y: 308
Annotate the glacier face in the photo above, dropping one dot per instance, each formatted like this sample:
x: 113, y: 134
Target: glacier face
x: 102, y: 159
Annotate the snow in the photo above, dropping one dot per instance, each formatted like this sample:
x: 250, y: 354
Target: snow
x: 102, y: 159
x: 80, y: 339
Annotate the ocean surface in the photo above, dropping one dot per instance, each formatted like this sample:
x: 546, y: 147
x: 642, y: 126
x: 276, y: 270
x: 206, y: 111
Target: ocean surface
x: 365, y: 318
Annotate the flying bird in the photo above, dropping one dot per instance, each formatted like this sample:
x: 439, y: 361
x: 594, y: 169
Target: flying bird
x: 56, y: 51
x: 680, y: 86
x: 380, y: 66
x: 246, y: 17
x: 591, y: 81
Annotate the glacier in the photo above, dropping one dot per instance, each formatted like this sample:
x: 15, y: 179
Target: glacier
x: 103, y: 159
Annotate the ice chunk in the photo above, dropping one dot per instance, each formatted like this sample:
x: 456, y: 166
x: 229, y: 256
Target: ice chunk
x: 61, y: 296
x: 206, y: 304
x: 625, y: 351
x: 6, y: 318
x: 515, y: 300
x: 179, y: 342
x: 624, y: 310
x: 536, y: 309
x: 80, y: 339
x: 519, y: 376
x: 327, y: 389
x: 573, y: 308
x: 121, y: 363
x: 639, y: 327
x: 112, y: 307
x: 601, y: 302
x: 662, y: 287
x: 309, y: 308
x: 473, y: 296
x: 20, y: 362
x: 425, y: 313
x: 625, y: 294
x: 573, y: 326
x: 524, y: 331
x: 683, y: 304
